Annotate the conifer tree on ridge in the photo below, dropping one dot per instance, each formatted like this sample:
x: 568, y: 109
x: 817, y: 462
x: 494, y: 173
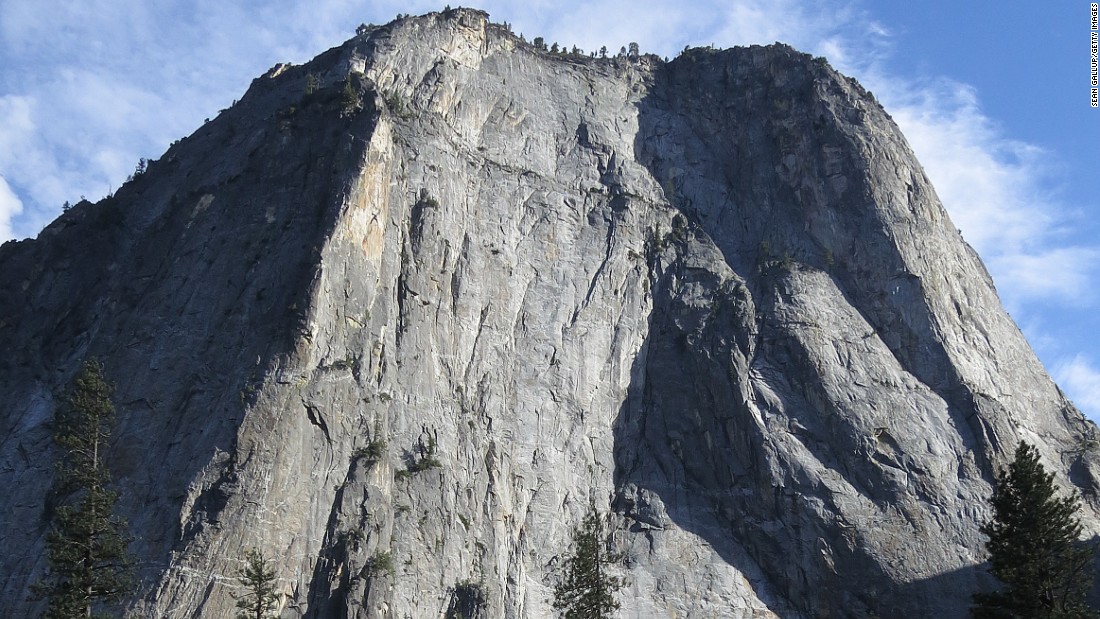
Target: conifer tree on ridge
x: 586, y: 590
x: 87, y: 550
x: 1034, y: 547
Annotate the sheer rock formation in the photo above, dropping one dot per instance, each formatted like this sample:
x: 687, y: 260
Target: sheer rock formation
x: 429, y: 296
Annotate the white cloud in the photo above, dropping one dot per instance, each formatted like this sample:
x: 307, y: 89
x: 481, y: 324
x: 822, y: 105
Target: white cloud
x: 17, y: 129
x: 1059, y: 274
x: 986, y: 179
x: 994, y: 187
x: 997, y: 190
x: 22, y: 165
x: 10, y: 206
x: 656, y: 27
x: 840, y: 31
x: 763, y: 22
x: 1080, y: 378
x: 115, y: 87
x: 52, y: 150
x: 90, y: 89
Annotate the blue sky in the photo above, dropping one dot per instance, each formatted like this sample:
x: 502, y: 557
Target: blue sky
x: 993, y: 97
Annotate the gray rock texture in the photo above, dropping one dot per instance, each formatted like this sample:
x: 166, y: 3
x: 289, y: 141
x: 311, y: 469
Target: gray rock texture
x: 399, y: 316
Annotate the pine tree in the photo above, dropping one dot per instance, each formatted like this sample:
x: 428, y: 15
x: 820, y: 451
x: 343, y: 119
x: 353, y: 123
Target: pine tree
x: 89, y: 564
x: 586, y: 591
x: 1033, y: 547
x: 260, y: 600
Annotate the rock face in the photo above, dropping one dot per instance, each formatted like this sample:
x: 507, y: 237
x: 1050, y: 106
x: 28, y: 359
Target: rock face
x: 403, y: 313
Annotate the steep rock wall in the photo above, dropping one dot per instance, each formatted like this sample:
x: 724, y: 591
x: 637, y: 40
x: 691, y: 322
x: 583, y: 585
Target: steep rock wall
x: 717, y: 297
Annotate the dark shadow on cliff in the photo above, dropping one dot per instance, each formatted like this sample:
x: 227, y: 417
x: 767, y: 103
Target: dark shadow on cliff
x: 689, y: 448
x: 718, y: 380
x: 773, y: 155
x: 189, y: 284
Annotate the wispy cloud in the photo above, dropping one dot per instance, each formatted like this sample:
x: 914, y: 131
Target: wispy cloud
x: 117, y: 88
x: 1080, y: 377
x: 658, y: 27
x: 1063, y: 275
x: 999, y: 191
x: 17, y: 129
x: 10, y: 206
x: 996, y: 190
x: 86, y: 89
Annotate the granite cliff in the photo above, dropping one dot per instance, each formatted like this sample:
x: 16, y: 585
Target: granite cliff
x: 716, y: 296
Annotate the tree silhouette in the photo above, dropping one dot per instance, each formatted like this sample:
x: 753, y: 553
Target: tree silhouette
x: 586, y: 591
x: 260, y: 600
x: 1033, y: 547
x: 89, y: 564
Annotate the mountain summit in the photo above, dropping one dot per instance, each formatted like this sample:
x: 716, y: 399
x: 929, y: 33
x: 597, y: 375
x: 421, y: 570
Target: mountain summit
x: 402, y: 314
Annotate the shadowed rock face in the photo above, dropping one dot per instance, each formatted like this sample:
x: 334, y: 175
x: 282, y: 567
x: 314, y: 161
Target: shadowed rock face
x: 717, y: 297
